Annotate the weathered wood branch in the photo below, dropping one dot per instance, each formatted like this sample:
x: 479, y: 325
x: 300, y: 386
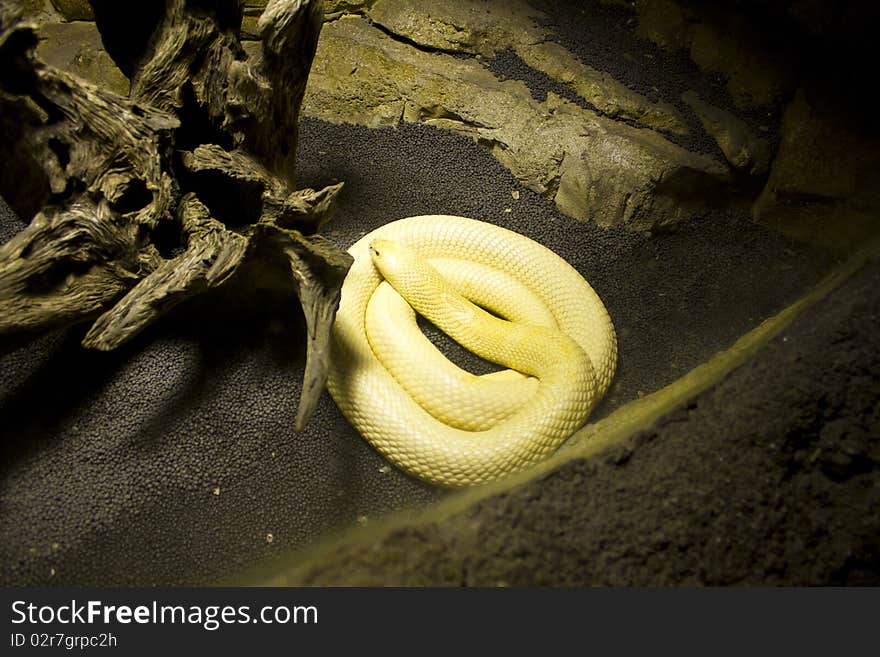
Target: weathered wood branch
x: 265, y: 195
x: 318, y: 268
x: 211, y: 257
x: 66, y: 266
x: 154, y: 198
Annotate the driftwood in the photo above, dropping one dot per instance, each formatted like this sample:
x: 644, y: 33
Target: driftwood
x: 145, y: 201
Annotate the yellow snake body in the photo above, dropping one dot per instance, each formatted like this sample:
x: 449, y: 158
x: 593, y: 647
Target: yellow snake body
x: 428, y: 416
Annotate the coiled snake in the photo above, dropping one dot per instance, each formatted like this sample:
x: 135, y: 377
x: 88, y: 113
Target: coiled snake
x: 426, y: 415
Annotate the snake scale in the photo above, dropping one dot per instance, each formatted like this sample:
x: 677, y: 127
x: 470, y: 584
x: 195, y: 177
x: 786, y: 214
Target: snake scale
x: 422, y: 412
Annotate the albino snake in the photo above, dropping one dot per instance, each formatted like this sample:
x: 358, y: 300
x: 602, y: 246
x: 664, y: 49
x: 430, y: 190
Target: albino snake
x: 426, y: 415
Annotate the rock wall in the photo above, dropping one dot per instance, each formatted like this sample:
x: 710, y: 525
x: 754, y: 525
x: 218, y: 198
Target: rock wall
x: 594, y: 167
x: 602, y: 150
x: 811, y: 58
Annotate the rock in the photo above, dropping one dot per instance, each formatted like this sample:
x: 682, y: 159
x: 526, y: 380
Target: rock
x: 77, y: 48
x: 613, y: 173
x: 600, y: 89
x: 461, y: 25
x: 251, y: 11
x: 593, y: 167
x: 485, y: 29
x: 75, y: 10
x: 755, y: 65
x: 664, y: 22
x: 249, y: 29
x: 757, y: 76
x: 40, y: 11
x: 824, y: 184
x: 335, y: 8
x: 740, y: 145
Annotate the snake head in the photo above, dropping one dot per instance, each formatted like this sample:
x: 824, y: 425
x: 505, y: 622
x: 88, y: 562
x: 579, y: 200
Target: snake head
x: 376, y: 248
x: 386, y: 255
x: 407, y: 273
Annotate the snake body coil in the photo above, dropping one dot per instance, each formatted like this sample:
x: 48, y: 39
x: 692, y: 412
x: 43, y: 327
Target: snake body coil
x: 425, y: 414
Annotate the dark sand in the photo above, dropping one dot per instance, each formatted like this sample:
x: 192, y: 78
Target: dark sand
x: 770, y: 478
x: 173, y: 460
